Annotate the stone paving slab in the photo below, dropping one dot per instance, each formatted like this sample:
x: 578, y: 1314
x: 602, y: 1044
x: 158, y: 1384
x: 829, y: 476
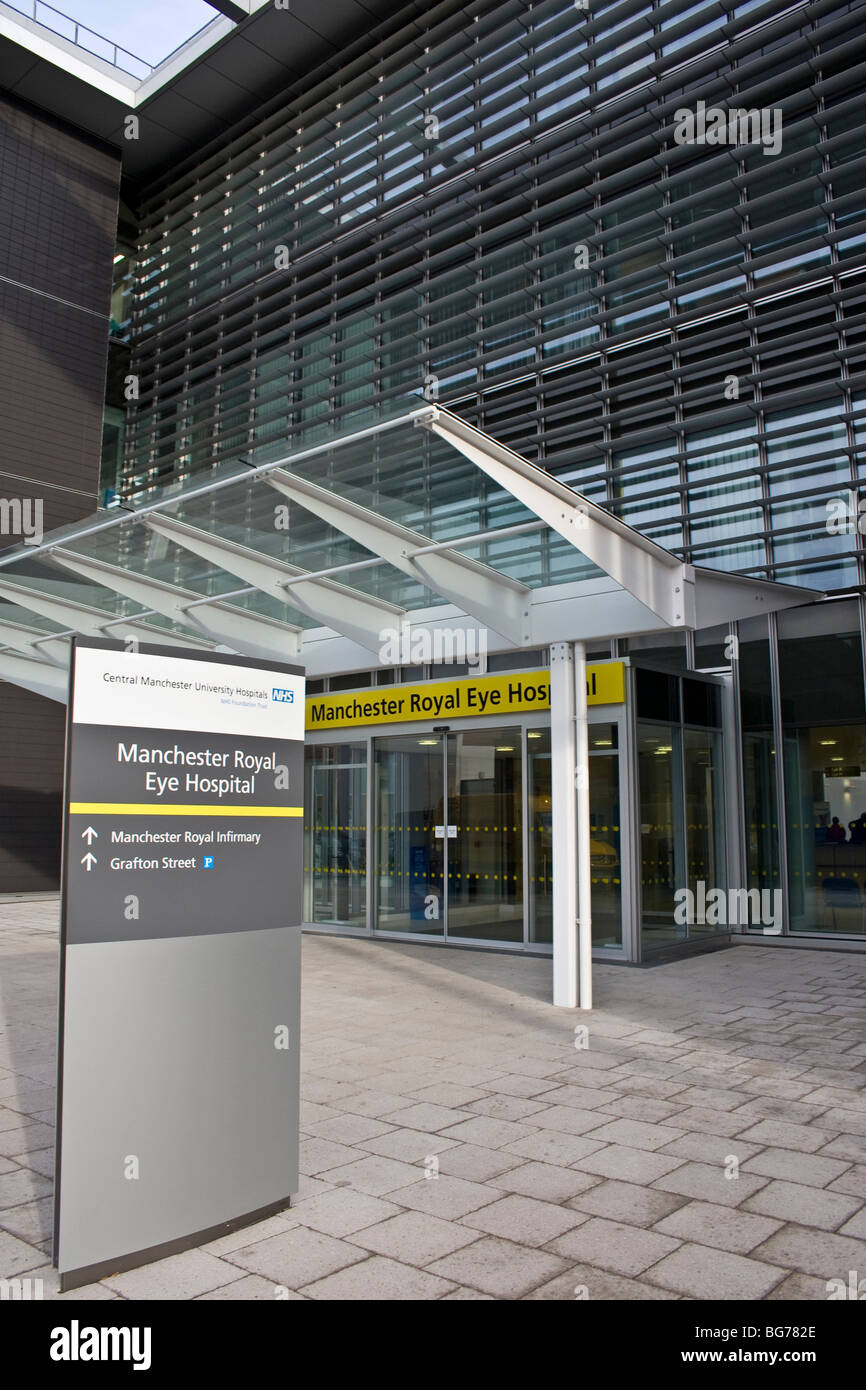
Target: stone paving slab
x: 709, y: 1142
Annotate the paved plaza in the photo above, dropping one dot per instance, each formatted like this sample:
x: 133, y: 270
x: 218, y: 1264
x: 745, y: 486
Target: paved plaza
x: 460, y: 1142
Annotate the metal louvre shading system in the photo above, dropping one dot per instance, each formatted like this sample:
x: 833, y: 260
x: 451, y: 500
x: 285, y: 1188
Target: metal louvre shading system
x: 328, y: 553
x: 580, y: 284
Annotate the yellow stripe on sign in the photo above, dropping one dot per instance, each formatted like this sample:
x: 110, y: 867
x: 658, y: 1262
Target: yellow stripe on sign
x: 132, y: 808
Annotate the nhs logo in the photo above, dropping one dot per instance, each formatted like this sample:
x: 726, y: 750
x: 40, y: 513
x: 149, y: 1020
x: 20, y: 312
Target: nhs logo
x: 284, y: 697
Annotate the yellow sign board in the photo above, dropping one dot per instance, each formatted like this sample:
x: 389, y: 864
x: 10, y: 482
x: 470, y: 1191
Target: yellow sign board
x: 468, y: 698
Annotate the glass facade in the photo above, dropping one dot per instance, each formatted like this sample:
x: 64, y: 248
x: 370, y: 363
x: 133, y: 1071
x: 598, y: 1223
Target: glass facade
x: 462, y: 842
x: 461, y: 848
x: 605, y: 847
x: 802, y: 690
x: 335, y: 834
x: 681, y: 778
x: 824, y: 741
x: 491, y: 209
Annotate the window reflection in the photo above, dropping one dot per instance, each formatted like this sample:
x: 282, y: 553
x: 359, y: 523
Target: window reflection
x: 825, y: 768
x: 606, y: 867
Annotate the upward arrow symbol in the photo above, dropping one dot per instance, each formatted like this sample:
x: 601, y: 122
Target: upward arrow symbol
x: 89, y: 860
x: 90, y: 834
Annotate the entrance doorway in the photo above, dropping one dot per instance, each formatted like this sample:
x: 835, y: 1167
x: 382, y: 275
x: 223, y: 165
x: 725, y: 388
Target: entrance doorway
x: 681, y: 792
x: 463, y: 845
x: 449, y: 834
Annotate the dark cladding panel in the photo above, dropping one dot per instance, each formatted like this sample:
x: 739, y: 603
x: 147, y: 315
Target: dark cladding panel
x: 58, y: 217
x: 58, y: 222
x: 32, y: 731
x: 51, y: 393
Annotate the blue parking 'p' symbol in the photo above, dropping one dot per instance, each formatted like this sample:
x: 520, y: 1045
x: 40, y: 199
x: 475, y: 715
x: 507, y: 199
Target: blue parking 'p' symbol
x: 207, y: 862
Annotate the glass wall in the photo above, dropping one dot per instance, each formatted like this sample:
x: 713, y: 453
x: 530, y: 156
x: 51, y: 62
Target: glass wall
x: 605, y: 828
x: 821, y: 686
x: 703, y: 780
x: 760, y: 818
x: 458, y: 850
x: 605, y: 846
x: 335, y: 834
x: 463, y: 821
x: 540, y: 839
x: 485, y: 856
x: 675, y: 338
x: 681, y: 806
x: 659, y: 766
x: 409, y: 792
x: 819, y: 858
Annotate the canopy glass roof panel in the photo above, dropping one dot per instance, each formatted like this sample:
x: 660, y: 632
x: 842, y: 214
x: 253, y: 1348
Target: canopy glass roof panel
x: 254, y: 515
x: 351, y: 536
x: 395, y: 472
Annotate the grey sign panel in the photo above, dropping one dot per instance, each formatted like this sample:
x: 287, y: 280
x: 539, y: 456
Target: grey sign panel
x: 191, y: 871
x: 185, y: 1116
x: 180, y: 953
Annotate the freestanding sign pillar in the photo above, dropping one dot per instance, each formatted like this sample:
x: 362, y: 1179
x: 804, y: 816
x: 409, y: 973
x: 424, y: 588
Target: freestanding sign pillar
x: 180, y: 952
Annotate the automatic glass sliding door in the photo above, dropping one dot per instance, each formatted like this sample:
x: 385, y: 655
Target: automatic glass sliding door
x: 409, y: 801
x: 485, y: 826
x: 449, y: 834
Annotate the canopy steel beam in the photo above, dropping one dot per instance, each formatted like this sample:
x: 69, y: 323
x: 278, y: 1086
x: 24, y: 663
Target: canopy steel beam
x: 247, y: 633
x: 495, y: 600
x: 91, y: 622
x: 55, y: 650
x: 722, y: 598
x: 38, y: 676
x: 643, y: 568
x: 356, y: 615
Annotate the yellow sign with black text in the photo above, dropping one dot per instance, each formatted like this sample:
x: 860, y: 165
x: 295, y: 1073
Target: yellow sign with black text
x: 467, y: 698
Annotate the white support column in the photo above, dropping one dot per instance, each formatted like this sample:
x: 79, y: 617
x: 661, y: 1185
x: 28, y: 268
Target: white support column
x: 584, y: 863
x: 563, y: 761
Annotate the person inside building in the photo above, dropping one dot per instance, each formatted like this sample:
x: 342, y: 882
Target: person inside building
x: 858, y: 830
x: 836, y: 832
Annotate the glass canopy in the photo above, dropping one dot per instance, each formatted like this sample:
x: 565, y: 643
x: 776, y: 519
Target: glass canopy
x: 420, y: 519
